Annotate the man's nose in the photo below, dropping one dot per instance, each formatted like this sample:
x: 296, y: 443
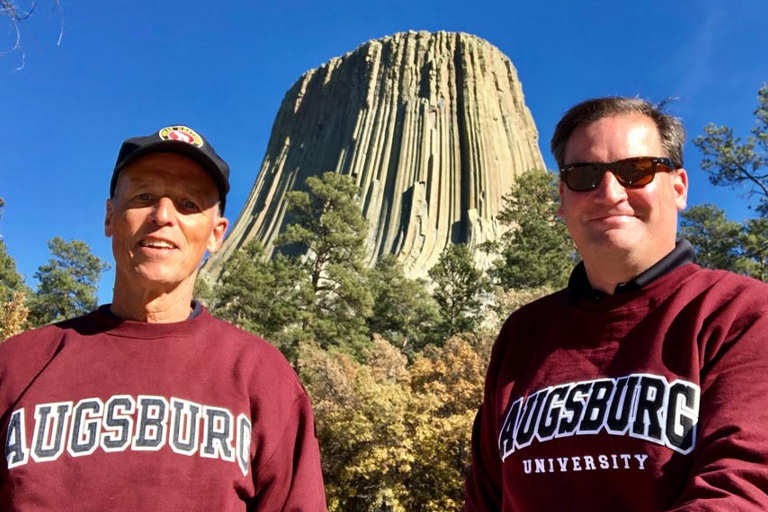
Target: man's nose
x: 164, y: 211
x: 609, y: 188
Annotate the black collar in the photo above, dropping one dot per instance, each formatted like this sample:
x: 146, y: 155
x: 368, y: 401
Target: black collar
x: 579, y: 287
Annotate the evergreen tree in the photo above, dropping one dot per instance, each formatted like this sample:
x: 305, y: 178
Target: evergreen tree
x: 736, y: 164
x: 68, y: 283
x: 204, y: 292
x: 715, y: 239
x: 404, y: 312
x: 460, y: 289
x: 754, y: 244
x: 536, y: 251
x: 239, y: 296
x: 328, y: 225
x: 10, y: 280
x: 260, y: 296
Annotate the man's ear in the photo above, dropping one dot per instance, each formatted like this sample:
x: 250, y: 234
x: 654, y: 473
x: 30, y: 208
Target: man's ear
x: 108, y: 218
x: 680, y: 187
x: 560, y: 206
x: 217, y: 234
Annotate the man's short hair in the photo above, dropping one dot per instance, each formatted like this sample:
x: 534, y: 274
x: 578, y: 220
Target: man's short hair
x: 670, y: 127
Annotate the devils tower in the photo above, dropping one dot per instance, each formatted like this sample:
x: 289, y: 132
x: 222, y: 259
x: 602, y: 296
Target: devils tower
x: 432, y: 127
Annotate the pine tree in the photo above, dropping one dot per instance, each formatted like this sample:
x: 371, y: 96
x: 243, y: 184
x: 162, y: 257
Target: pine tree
x: 460, y: 290
x: 260, y: 296
x: 715, y: 239
x: 536, y: 251
x: 68, y: 283
x: 404, y: 312
x: 754, y: 245
x: 736, y: 164
x: 743, y: 164
x: 10, y: 279
x: 328, y: 227
x: 13, y: 293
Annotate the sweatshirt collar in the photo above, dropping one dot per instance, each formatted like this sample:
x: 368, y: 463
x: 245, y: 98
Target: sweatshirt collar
x: 197, y: 308
x: 579, y: 287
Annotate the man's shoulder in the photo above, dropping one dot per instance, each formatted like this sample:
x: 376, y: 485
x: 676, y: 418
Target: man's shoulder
x: 234, y: 332
x: 272, y: 370
x: 548, y: 301
x: 726, y: 282
x: 724, y: 291
x: 245, y: 343
x: 535, y: 310
x: 25, y: 355
x: 28, y: 342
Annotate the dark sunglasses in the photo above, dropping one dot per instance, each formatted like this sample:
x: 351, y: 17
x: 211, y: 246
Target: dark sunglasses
x: 631, y: 172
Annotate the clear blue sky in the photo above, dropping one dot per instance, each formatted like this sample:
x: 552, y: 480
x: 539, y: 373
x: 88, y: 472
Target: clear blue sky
x: 129, y: 68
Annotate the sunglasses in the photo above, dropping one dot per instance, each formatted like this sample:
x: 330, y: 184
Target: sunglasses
x: 631, y: 172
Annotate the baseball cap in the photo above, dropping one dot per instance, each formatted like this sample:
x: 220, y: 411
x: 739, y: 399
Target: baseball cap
x: 175, y: 139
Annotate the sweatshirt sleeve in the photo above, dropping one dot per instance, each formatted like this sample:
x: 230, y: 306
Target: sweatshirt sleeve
x: 730, y: 465
x: 292, y: 475
x: 483, y: 488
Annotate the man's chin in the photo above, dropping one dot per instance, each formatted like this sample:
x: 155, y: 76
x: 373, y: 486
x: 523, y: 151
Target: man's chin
x: 155, y: 278
x: 614, y: 241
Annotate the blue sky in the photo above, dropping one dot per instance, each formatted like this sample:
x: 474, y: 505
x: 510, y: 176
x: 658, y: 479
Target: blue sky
x: 129, y: 68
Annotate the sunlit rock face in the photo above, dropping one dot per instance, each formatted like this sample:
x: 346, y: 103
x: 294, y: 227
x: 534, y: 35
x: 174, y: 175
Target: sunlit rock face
x: 432, y: 126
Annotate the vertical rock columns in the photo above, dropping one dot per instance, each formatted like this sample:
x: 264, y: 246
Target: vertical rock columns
x: 432, y: 127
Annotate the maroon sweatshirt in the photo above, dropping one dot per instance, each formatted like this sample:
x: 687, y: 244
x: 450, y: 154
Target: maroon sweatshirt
x: 649, y: 400
x: 102, y: 414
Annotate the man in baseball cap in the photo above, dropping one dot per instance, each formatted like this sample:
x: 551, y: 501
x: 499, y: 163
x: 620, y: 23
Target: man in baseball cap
x: 150, y: 403
x: 175, y: 139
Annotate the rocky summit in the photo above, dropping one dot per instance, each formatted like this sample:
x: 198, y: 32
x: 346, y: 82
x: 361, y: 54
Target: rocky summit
x: 432, y: 127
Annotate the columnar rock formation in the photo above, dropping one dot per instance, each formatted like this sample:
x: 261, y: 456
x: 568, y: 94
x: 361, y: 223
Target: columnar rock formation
x: 433, y: 128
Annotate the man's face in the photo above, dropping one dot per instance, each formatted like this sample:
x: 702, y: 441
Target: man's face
x: 613, y: 223
x: 162, y: 219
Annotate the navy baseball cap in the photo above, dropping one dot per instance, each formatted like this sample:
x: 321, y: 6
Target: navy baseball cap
x: 175, y: 139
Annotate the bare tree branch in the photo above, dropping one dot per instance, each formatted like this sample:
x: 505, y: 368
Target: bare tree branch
x: 17, y: 12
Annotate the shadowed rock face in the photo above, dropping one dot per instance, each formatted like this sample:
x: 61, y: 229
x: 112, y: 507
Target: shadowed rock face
x: 433, y: 128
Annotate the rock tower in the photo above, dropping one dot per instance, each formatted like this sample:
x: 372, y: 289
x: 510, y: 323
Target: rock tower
x: 432, y: 127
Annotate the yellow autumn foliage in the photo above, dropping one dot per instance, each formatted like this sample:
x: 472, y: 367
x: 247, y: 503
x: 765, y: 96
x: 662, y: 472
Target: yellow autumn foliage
x: 395, y: 437
x: 13, y: 316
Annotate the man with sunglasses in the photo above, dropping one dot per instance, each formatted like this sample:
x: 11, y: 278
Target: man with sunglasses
x: 642, y: 386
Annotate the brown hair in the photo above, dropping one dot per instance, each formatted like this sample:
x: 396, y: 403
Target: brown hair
x: 670, y: 128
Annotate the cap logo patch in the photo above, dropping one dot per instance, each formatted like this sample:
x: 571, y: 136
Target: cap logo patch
x: 181, y: 133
